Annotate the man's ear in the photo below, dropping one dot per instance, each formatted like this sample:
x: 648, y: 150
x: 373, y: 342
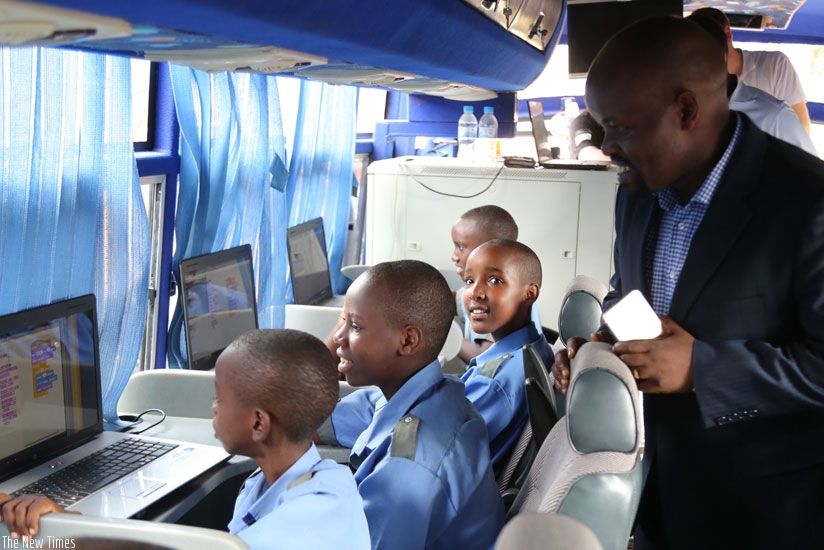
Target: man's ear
x: 412, y: 336
x: 262, y: 425
x: 688, y: 108
x: 532, y: 293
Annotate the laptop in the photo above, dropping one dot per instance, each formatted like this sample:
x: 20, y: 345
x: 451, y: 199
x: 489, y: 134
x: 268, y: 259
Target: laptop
x: 545, y: 159
x: 309, y: 265
x: 52, y: 421
x: 219, y: 302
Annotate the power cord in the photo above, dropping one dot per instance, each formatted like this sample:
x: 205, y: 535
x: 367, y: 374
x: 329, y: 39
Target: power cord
x: 140, y: 416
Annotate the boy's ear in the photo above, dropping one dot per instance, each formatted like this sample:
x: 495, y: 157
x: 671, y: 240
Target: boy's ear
x: 532, y: 292
x: 412, y: 336
x: 262, y: 425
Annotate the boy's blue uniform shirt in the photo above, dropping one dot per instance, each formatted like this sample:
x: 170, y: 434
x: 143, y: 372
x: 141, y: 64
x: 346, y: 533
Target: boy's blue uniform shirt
x: 431, y: 487
x: 315, y: 504
x: 495, y: 385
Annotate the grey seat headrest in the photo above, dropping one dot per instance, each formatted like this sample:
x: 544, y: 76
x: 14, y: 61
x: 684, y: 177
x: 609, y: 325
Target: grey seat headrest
x: 603, y: 412
x: 580, y: 313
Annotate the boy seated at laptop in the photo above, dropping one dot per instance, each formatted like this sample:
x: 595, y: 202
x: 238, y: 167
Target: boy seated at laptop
x: 419, y: 447
x: 273, y: 388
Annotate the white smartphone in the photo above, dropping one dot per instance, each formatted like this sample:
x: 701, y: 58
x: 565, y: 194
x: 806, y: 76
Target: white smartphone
x: 632, y: 318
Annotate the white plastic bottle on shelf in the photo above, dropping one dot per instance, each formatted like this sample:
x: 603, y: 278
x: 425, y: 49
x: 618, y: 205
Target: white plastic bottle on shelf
x: 488, y: 145
x: 467, y: 133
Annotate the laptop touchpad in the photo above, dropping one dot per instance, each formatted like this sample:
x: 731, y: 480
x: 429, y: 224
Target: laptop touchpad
x: 137, y: 487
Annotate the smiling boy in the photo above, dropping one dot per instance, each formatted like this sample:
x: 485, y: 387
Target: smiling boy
x: 421, y: 456
x: 503, y: 281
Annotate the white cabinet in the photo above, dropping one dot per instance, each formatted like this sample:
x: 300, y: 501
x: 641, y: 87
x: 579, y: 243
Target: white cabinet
x: 566, y: 216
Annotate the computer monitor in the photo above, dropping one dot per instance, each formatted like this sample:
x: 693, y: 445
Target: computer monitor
x: 308, y: 263
x: 591, y: 24
x: 219, y: 303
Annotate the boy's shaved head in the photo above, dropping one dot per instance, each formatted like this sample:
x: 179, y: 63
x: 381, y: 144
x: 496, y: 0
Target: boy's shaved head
x: 528, y: 266
x: 493, y: 221
x: 290, y: 374
x: 414, y: 293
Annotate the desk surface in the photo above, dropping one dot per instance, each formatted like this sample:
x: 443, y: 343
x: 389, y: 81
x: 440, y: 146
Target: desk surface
x: 199, y: 430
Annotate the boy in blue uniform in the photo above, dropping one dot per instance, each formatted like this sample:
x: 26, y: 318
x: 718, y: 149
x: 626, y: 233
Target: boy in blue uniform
x: 473, y: 228
x: 422, y: 461
x: 272, y: 389
x: 503, y: 280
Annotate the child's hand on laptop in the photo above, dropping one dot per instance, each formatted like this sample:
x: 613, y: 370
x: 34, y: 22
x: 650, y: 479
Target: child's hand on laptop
x: 22, y: 514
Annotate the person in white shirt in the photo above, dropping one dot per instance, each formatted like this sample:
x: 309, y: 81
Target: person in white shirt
x: 770, y: 71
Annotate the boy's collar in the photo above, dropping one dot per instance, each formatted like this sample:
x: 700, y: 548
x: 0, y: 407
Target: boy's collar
x: 511, y: 342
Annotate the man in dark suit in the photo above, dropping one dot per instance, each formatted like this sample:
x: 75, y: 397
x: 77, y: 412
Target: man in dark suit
x: 722, y: 228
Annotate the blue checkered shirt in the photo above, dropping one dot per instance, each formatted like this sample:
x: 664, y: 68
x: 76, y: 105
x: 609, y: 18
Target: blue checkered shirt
x: 667, y: 248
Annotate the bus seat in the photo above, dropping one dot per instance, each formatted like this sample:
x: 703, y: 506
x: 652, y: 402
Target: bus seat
x: 589, y: 466
x: 77, y: 531
x: 316, y: 320
x: 580, y: 315
x: 542, y: 418
x: 353, y: 271
x: 176, y: 392
x: 546, y: 531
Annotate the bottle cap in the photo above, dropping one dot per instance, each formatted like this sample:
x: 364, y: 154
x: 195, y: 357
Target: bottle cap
x: 489, y: 109
x: 468, y: 109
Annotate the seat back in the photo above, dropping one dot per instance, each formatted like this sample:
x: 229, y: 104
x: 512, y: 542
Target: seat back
x: 541, y: 419
x: 543, y: 531
x: 589, y: 465
x: 580, y: 315
x: 540, y: 398
x: 177, y: 392
x: 120, y: 534
x: 316, y: 320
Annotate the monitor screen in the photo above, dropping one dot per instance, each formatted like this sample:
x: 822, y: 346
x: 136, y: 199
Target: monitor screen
x: 49, y: 381
x: 591, y: 24
x: 308, y: 263
x: 218, y: 302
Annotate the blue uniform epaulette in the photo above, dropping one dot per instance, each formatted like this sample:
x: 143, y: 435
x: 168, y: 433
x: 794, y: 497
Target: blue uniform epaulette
x: 405, y: 437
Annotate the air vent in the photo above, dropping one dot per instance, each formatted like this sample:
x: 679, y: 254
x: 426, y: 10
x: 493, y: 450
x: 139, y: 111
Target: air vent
x: 256, y: 59
x: 28, y: 24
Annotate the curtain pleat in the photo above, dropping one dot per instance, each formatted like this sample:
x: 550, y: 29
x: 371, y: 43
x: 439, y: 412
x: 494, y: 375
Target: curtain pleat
x: 73, y: 219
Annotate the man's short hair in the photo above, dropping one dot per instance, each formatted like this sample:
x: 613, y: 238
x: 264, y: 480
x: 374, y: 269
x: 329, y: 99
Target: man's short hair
x: 494, y: 221
x: 713, y: 14
x: 705, y: 18
x: 288, y: 373
x: 415, y: 293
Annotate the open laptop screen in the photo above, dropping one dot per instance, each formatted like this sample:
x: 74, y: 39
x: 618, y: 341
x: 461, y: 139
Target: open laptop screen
x: 219, y: 302
x: 308, y: 263
x: 50, y: 396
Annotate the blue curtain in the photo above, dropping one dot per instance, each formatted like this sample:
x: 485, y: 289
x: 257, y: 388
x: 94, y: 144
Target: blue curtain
x: 73, y: 220
x: 322, y: 168
x: 232, y: 178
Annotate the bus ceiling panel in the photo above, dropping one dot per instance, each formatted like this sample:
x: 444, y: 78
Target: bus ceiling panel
x: 443, y: 43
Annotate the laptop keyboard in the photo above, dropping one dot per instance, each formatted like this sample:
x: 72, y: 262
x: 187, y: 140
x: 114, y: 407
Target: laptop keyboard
x: 96, y: 470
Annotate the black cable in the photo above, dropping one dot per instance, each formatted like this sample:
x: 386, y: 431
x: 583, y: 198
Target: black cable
x: 162, y: 418
x: 481, y: 192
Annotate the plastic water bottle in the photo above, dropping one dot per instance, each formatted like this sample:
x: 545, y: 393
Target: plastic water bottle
x: 467, y: 133
x: 488, y: 144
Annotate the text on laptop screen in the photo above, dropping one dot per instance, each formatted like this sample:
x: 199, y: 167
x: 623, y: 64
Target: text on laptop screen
x: 308, y: 263
x: 219, y: 302
x: 49, y: 390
